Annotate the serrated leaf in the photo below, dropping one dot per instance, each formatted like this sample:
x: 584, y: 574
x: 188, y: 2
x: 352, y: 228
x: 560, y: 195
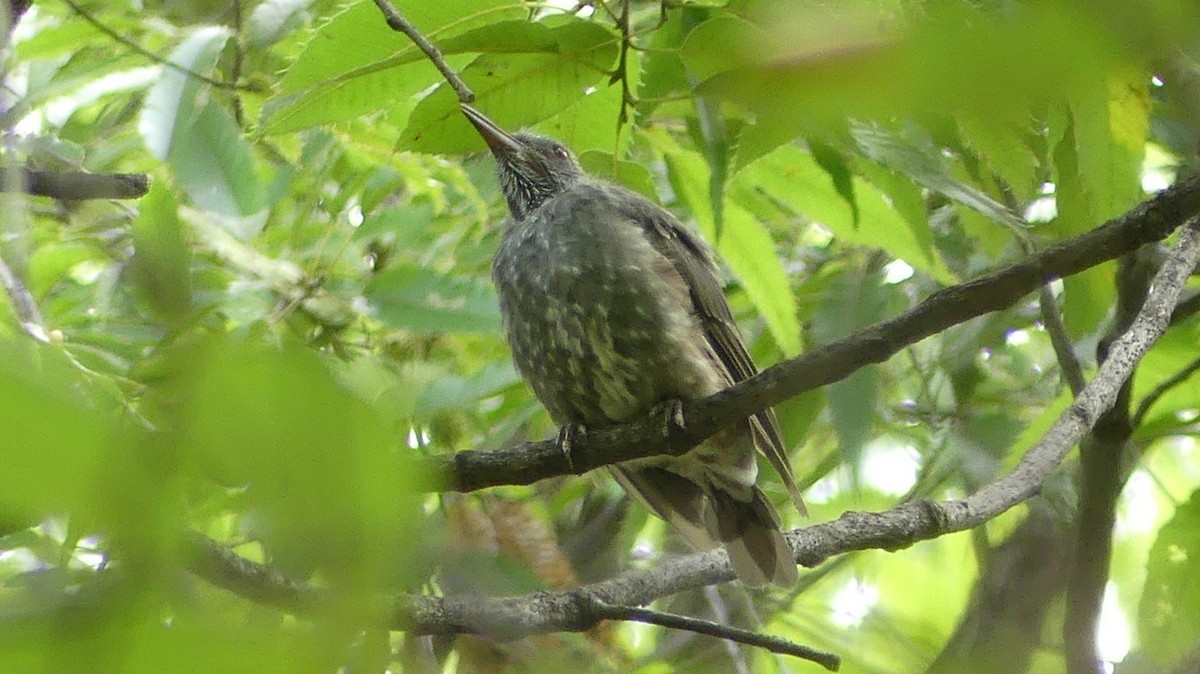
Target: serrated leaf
x: 794, y: 179
x: 748, y: 249
x: 916, y: 157
x: 515, y: 90
x: 355, y: 64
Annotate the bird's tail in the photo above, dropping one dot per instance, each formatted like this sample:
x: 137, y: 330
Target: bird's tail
x: 749, y: 530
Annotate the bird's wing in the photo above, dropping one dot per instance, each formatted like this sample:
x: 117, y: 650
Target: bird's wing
x: 693, y: 260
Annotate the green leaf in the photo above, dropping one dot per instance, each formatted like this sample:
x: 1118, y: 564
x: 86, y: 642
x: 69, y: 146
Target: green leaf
x: 425, y: 301
x: 628, y: 173
x: 161, y: 257
x: 720, y: 44
x: 515, y: 90
x: 214, y: 166
x: 358, y: 38
x: 748, y: 249
x: 355, y: 64
x: 171, y: 104
x: 318, y: 464
x: 853, y: 301
x: 1169, y: 613
x: 450, y: 393
x: 54, y: 446
x: 914, y: 155
x: 794, y: 179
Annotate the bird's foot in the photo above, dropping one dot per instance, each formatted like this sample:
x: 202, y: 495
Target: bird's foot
x: 672, y: 416
x: 566, y: 440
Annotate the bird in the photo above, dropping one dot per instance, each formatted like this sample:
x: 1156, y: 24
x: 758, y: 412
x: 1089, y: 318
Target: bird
x: 612, y: 308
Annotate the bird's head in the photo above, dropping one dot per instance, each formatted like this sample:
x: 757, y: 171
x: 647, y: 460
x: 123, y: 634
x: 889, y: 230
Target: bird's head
x: 531, y: 168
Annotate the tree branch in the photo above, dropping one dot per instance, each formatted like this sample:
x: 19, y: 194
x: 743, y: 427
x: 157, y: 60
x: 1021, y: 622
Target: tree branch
x: 575, y: 609
x: 671, y: 621
x: 397, y: 22
x: 77, y: 185
x: 1068, y: 363
x: 529, y: 462
x: 1102, y: 454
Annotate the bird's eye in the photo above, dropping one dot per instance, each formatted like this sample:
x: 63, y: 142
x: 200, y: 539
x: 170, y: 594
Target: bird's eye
x: 560, y: 152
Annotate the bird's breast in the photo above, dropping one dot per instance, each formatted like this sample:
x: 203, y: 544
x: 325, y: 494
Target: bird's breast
x: 593, y: 326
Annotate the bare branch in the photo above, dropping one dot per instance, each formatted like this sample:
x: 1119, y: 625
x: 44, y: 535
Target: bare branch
x: 529, y: 462
x: 1064, y: 353
x: 397, y: 22
x: 774, y: 644
x: 77, y: 185
x: 575, y: 609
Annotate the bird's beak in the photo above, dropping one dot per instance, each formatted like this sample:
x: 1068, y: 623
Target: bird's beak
x: 503, y: 145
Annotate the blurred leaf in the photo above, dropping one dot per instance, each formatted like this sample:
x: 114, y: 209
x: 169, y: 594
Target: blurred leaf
x: 628, y: 173
x: 426, y: 301
x: 271, y: 20
x: 1169, y: 613
x: 450, y: 393
x: 854, y: 300
x: 161, y: 258
x: 54, y: 446
x: 171, y: 105
x: 215, y: 167
x: 321, y: 466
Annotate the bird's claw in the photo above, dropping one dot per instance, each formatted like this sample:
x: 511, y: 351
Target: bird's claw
x: 566, y: 440
x: 672, y: 411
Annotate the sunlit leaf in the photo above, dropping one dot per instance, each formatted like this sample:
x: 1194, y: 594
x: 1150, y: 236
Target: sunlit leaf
x: 172, y: 105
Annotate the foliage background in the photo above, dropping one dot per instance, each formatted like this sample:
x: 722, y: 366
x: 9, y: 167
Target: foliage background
x: 258, y: 347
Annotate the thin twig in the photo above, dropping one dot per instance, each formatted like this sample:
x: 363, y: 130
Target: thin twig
x: 1171, y: 382
x: 829, y: 661
x: 239, y: 57
x: 100, y: 26
x: 397, y: 22
x: 1052, y: 320
x: 1068, y: 362
x: 23, y: 304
